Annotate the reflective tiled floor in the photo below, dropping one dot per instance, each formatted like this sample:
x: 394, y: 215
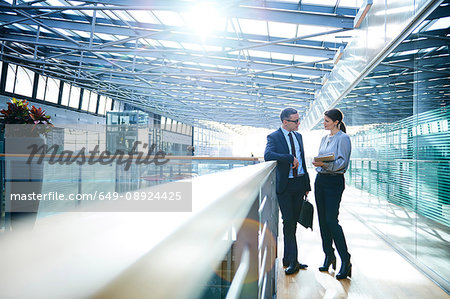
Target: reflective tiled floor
x: 378, y: 271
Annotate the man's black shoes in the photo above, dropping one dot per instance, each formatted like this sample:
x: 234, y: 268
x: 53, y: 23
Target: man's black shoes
x: 286, y: 263
x: 294, y: 268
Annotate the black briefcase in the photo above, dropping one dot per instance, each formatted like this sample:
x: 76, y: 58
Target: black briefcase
x: 306, y: 214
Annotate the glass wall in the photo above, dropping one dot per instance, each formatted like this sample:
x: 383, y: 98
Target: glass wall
x: 126, y: 127
x: 398, y: 118
x: 212, y: 143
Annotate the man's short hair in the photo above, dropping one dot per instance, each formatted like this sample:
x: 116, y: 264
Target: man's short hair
x: 286, y: 113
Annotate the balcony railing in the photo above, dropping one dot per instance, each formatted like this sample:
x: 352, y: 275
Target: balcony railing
x: 225, y: 246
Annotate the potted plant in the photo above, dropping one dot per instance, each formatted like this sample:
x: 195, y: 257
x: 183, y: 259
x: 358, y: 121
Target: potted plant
x: 18, y: 113
x: 22, y: 127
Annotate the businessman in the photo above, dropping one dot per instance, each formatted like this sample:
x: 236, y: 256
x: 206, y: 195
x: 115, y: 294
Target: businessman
x: 285, y: 146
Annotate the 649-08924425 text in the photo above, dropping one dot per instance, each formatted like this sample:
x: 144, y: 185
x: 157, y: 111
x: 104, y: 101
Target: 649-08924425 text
x: 101, y: 196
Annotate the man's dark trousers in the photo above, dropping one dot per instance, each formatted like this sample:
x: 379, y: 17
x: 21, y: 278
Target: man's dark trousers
x: 290, y: 205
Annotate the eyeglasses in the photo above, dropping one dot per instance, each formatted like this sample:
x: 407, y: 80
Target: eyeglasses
x: 293, y: 121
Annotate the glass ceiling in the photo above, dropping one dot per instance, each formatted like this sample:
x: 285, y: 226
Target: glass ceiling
x: 236, y: 62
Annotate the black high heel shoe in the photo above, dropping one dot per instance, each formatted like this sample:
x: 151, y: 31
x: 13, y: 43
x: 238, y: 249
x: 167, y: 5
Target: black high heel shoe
x: 329, y: 260
x: 346, y: 270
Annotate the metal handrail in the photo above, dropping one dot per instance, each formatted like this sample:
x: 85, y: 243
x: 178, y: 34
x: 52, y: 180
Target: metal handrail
x: 133, y: 157
x: 400, y: 160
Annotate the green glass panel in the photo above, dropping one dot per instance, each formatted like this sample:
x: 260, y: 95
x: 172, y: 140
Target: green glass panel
x: 398, y: 118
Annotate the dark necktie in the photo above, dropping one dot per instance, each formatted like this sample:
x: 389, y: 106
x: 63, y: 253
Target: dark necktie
x: 295, y: 170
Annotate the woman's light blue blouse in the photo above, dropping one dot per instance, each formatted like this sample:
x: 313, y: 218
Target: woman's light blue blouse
x: 340, y: 145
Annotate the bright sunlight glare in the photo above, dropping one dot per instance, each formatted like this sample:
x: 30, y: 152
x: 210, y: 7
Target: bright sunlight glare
x: 204, y: 18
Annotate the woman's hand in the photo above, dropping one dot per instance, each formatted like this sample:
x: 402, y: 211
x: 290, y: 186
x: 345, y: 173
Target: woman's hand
x: 318, y: 163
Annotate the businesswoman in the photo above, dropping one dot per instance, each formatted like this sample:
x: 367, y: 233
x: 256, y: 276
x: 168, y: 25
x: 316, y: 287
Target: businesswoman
x: 328, y: 188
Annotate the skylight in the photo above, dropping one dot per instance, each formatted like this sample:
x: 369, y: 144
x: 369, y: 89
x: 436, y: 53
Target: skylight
x: 169, y: 18
x: 105, y: 36
x: 302, y: 58
x: 82, y: 33
x: 124, y: 15
x: 253, y: 26
x: 281, y: 56
x: 192, y: 46
x: 170, y: 44
x: 349, y: 3
x: 204, y: 18
x: 283, y: 30
x: 440, y: 24
x: 143, y: 16
x: 321, y: 2
x: 212, y: 48
x: 55, y: 3
x: 259, y: 54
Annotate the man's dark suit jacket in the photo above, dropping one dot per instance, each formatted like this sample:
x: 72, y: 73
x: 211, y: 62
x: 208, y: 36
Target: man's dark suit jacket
x: 277, y: 150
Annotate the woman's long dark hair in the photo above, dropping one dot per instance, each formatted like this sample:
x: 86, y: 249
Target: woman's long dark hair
x: 337, y: 115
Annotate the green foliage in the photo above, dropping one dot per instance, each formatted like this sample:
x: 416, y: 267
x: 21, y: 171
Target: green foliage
x: 38, y: 116
x: 18, y: 112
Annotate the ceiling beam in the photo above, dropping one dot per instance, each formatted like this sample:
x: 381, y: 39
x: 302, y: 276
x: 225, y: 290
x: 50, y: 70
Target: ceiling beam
x: 254, y: 13
x: 169, y: 33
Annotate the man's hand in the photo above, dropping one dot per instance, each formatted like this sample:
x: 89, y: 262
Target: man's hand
x: 295, y: 163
